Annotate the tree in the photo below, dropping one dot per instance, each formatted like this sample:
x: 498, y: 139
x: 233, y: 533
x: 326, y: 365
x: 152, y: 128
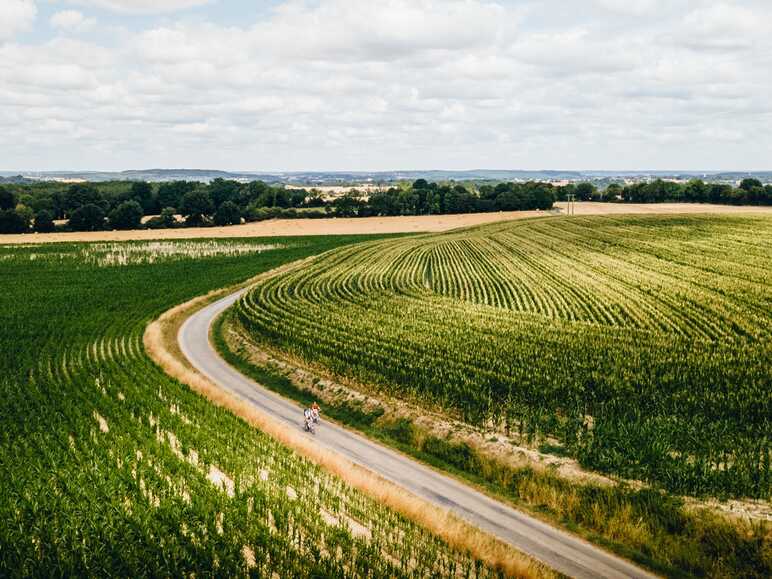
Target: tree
x: 44, y: 221
x: 128, y: 215
x: 613, y: 192
x: 142, y: 193
x: 459, y: 200
x: 298, y: 197
x: 168, y: 217
x: 26, y: 214
x: 196, y: 206
x: 719, y: 193
x: 281, y: 197
x: 585, y: 191
x: 750, y: 184
x: 566, y: 190
x: 89, y: 217
x: 165, y: 220
x: 7, y: 199
x: 228, y: 214
x: 170, y: 194
x: 221, y: 191
x: 251, y: 192
x: 541, y: 196
x: 80, y: 194
x: 696, y: 191
x: 384, y: 203
x: 510, y: 198
x: 347, y: 204
x: 315, y: 199
x: 12, y: 222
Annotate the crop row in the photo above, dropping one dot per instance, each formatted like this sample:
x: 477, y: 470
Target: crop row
x: 112, y: 468
x: 642, y: 343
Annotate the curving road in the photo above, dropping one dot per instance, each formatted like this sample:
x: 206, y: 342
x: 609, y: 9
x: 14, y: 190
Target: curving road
x: 557, y: 549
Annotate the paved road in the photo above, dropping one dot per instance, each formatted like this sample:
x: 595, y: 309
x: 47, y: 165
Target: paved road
x: 561, y: 551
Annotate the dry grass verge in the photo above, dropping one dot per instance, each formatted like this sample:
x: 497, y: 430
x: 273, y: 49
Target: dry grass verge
x: 160, y: 341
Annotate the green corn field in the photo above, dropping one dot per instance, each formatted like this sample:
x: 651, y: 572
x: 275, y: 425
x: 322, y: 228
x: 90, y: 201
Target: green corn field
x: 642, y: 343
x: 112, y: 468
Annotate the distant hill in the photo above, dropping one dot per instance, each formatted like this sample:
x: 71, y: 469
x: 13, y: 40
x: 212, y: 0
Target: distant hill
x: 14, y: 179
x: 319, y: 178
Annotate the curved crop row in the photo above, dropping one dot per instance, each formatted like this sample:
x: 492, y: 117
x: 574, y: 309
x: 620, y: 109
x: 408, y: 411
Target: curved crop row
x: 110, y: 467
x: 640, y: 342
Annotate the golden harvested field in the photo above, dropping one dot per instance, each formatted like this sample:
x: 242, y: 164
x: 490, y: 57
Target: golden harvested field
x: 374, y: 225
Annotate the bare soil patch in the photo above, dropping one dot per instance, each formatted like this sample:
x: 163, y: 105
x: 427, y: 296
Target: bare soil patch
x: 374, y: 225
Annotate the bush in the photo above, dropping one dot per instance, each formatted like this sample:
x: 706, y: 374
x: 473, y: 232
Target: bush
x: 228, y: 214
x: 87, y: 218
x: 402, y: 431
x: 127, y: 215
x: 44, y: 221
x: 256, y: 213
x: 196, y: 206
x: 458, y: 454
x: 166, y: 220
x: 11, y: 221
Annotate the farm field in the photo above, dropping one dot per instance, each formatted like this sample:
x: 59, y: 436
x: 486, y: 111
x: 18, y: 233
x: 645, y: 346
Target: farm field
x: 112, y: 468
x: 373, y: 225
x: 640, y: 343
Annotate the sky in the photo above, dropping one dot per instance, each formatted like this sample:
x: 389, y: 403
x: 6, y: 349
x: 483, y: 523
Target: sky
x: 302, y: 85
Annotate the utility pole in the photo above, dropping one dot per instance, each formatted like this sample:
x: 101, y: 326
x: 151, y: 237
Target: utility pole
x: 570, y: 204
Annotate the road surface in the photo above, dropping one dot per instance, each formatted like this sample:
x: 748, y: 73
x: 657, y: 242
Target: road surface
x: 557, y: 549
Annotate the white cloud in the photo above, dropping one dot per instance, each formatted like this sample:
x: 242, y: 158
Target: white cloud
x: 71, y: 21
x: 15, y: 16
x: 726, y: 26
x: 633, y: 7
x: 397, y: 84
x: 142, y: 6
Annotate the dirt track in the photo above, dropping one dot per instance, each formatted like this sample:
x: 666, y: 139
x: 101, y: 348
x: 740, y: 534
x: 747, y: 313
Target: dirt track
x: 350, y: 226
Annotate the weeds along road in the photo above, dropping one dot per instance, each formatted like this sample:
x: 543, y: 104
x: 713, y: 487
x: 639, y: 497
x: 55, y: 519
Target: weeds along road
x: 557, y: 549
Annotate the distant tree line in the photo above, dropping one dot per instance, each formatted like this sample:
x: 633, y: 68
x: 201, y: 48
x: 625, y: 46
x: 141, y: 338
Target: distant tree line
x: 125, y: 205
x: 129, y: 205
x: 750, y: 192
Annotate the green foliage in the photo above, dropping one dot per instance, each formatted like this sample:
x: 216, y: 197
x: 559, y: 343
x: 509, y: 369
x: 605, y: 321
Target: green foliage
x: 223, y: 191
x: 196, y: 205
x: 88, y: 217
x: 347, y: 205
x: 165, y: 220
x: 750, y: 192
x: 142, y: 193
x: 44, y: 221
x: 12, y: 221
x: 171, y: 194
x: 650, y: 527
x: 585, y: 191
x: 82, y: 194
x: 227, y: 214
x: 258, y: 201
x: 111, y: 468
x: 639, y: 342
x: 7, y: 199
x: 127, y: 215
